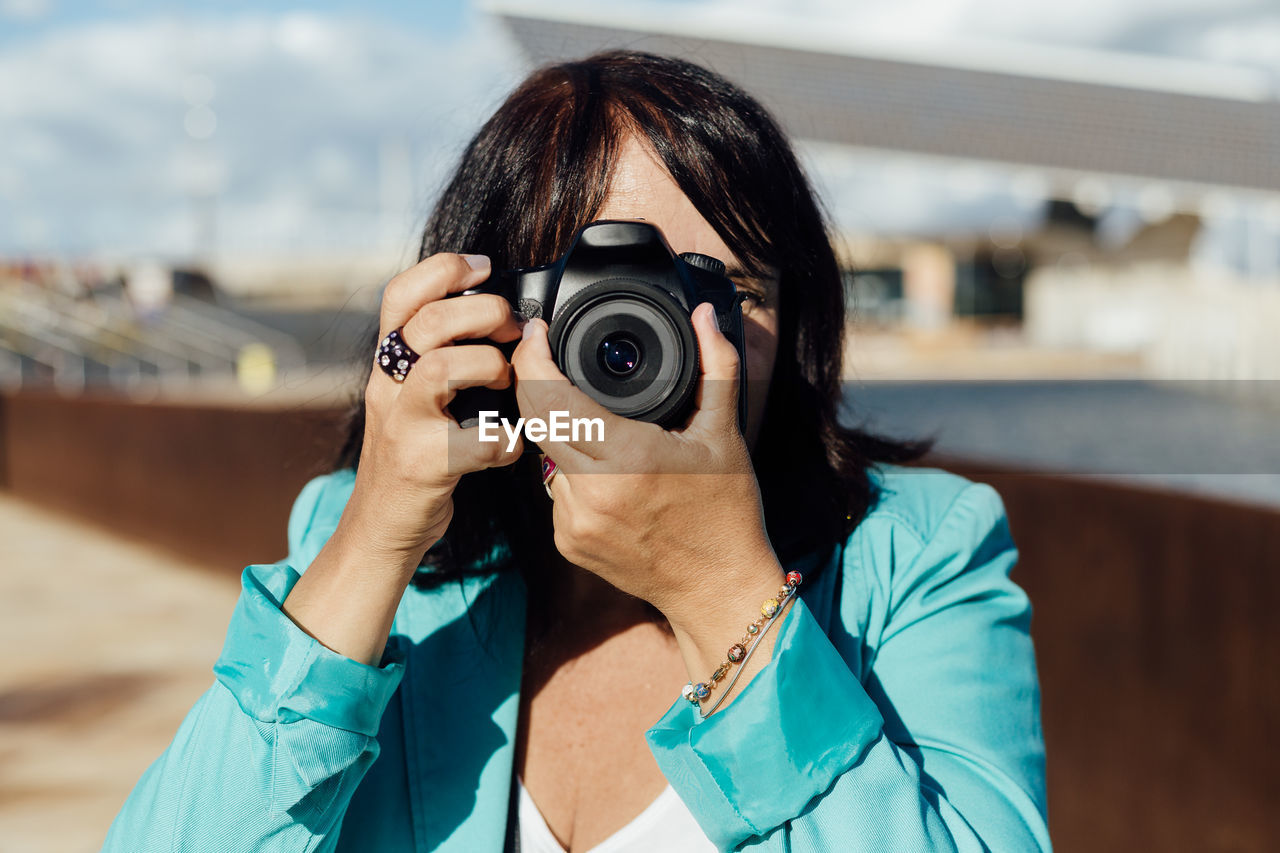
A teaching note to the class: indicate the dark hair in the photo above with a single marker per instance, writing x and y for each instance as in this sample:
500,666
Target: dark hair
540,168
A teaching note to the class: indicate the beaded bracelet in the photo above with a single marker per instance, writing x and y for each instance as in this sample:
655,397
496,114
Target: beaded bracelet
739,652
750,651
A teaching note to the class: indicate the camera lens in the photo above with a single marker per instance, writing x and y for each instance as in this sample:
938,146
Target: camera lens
630,346
620,355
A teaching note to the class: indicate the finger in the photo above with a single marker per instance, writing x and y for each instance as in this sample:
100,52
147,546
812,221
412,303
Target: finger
542,389
579,428
717,394
551,439
437,376
589,432
551,475
559,489
468,451
427,281
470,317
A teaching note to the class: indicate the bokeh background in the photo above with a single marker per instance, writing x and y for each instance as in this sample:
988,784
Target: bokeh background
1060,225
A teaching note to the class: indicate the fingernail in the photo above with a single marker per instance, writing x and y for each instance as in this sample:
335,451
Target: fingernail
477,262
526,330
715,321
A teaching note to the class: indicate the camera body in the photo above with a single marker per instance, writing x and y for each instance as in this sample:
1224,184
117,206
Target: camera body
618,305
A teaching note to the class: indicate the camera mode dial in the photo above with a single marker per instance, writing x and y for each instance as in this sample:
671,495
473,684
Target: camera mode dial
703,262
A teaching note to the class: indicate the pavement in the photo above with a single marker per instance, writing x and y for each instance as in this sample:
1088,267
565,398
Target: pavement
105,644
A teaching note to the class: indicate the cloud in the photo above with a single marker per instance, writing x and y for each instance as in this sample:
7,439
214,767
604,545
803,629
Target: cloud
113,135
329,131
25,10
1248,41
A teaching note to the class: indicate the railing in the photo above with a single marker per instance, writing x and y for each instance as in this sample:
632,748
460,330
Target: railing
50,338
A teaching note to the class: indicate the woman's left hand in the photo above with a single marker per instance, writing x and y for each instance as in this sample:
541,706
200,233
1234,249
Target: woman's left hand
671,516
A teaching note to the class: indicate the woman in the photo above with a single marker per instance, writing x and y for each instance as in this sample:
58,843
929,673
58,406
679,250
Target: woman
527,689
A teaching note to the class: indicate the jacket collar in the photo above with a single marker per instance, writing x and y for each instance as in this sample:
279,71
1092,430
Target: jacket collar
461,700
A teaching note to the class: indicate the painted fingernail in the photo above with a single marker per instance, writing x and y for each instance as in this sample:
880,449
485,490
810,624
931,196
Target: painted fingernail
477,262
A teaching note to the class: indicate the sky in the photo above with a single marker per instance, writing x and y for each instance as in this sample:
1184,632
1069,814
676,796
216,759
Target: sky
136,127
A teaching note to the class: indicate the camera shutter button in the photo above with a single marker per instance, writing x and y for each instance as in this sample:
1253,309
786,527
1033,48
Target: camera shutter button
703,262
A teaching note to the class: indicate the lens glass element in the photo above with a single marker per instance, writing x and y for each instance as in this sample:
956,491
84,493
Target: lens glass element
619,355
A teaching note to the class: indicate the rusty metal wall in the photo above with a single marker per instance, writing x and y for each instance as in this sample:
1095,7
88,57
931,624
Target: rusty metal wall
1155,613
213,483
1156,632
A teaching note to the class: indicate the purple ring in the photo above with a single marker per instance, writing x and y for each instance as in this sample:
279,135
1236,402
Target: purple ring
394,356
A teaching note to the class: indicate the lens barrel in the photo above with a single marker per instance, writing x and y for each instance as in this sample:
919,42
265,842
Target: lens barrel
631,347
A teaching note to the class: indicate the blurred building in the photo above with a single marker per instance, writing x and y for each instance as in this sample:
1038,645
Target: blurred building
151,328
1146,189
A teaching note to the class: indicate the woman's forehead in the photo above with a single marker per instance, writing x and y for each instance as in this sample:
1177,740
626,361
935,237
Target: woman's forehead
642,188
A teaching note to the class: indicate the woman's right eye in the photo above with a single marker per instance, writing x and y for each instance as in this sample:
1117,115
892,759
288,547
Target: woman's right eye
749,299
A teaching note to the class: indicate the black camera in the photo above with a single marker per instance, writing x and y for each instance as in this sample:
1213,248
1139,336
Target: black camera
618,306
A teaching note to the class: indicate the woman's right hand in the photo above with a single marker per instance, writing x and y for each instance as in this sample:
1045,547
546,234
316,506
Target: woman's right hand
414,452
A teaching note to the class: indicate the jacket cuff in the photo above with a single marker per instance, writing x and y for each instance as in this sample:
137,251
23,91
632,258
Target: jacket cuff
280,674
803,720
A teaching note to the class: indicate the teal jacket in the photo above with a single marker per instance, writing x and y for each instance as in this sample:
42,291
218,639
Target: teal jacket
900,710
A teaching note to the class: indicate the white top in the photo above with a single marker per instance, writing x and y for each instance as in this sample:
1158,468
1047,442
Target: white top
666,825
